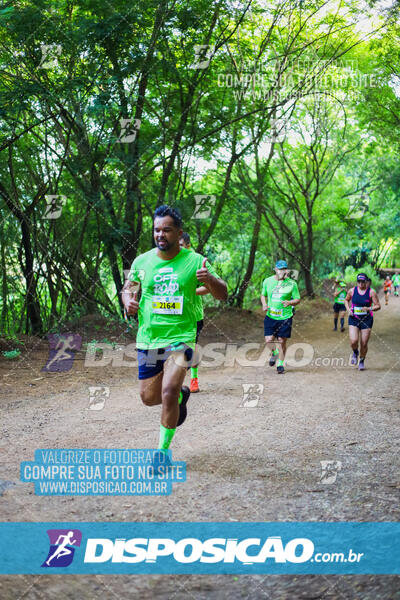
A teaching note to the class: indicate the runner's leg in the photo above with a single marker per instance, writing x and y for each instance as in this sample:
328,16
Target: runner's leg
354,335
335,320
365,334
194,369
171,393
282,348
150,389
172,396
174,374
341,314
270,341
282,352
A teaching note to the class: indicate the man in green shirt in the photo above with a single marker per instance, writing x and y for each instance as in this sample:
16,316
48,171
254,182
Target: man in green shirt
168,276
279,294
339,308
396,283
184,242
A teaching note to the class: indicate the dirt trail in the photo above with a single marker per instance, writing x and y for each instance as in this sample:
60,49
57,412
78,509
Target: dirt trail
258,463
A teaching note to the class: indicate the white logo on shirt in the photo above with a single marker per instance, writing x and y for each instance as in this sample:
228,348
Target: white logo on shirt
165,284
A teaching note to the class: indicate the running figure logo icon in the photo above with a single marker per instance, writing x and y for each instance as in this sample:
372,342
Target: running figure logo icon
54,206
129,130
61,551
251,394
97,397
203,56
330,470
50,54
204,203
62,351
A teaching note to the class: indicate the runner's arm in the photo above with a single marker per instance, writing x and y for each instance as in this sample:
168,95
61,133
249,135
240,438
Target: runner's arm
264,302
293,302
202,291
295,297
376,304
349,296
337,290
129,297
216,286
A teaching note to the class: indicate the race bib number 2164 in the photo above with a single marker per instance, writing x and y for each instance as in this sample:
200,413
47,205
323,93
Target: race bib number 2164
167,305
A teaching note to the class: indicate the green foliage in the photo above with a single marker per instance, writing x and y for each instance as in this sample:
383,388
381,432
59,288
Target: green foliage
11,354
350,275
203,131
93,347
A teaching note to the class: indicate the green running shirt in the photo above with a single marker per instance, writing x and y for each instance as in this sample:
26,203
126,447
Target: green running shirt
341,295
276,292
199,310
167,307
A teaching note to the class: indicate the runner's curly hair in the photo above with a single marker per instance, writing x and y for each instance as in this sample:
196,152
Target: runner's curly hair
185,237
168,211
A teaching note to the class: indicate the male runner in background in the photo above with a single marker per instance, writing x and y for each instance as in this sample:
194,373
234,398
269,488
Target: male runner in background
396,283
184,242
279,294
387,286
168,277
360,303
339,308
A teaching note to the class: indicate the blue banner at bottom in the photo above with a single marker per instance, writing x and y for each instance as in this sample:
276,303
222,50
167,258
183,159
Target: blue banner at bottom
200,548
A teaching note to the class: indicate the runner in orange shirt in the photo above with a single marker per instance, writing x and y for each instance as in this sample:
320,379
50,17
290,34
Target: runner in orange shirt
387,288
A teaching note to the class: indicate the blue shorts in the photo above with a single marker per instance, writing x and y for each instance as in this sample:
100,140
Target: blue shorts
278,327
362,322
151,362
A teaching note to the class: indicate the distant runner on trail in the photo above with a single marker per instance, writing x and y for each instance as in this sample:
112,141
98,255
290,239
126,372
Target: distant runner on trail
168,276
339,308
279,294
184,242
387,288
360,303
396,283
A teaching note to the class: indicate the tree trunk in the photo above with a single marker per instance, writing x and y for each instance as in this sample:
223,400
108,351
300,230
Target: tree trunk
308,282
4,287
308,262
32,304
250,264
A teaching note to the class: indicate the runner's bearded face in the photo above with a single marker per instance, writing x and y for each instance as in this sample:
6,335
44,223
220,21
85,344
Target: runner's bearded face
166,234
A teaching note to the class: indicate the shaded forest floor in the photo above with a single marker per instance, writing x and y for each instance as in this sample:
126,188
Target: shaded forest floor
244,463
